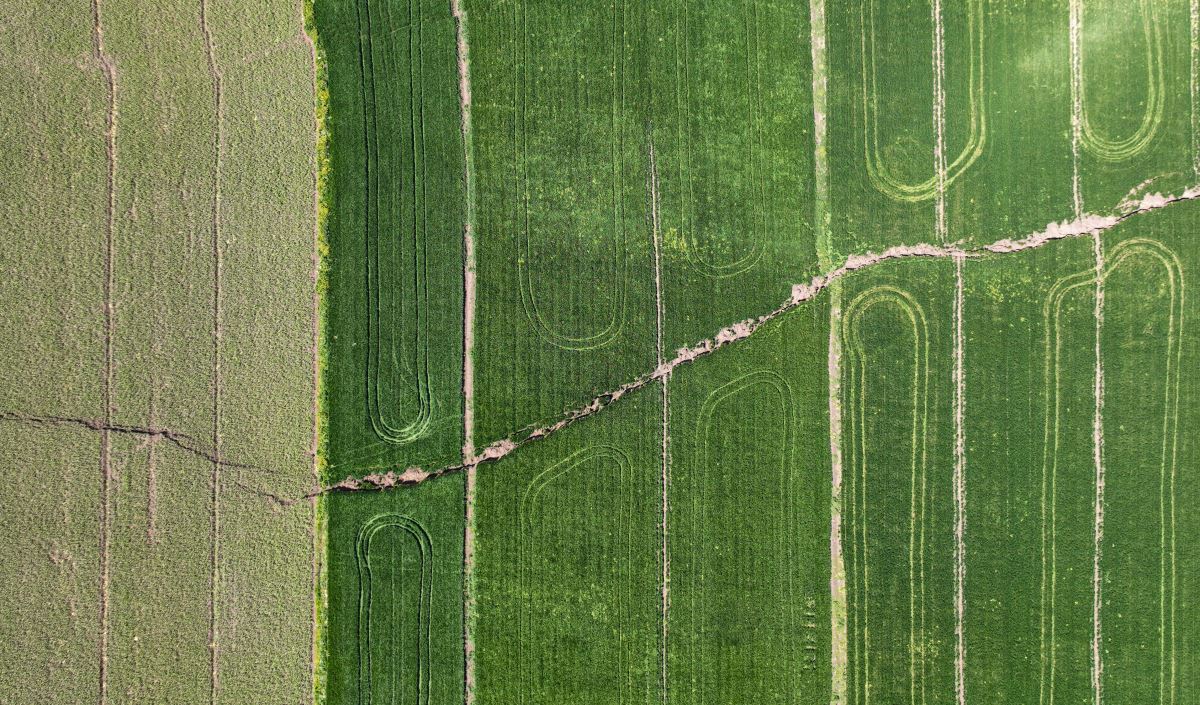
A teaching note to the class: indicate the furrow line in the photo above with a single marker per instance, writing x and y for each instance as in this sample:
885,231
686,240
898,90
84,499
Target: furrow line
939,121
1194,76
108,69
960,496
315,651
214,71
1098,460
660,315
839,639
1076,20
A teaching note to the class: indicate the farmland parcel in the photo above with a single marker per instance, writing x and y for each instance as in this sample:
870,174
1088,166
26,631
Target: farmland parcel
737,351
928,479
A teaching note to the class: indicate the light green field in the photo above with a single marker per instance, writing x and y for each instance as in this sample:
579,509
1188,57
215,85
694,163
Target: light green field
160,190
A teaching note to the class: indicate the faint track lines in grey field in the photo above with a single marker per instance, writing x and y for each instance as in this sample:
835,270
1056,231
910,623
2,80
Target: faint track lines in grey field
108,69
315,528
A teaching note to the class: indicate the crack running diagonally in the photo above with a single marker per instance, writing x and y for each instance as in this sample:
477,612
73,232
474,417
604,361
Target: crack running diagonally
1085,226
180,440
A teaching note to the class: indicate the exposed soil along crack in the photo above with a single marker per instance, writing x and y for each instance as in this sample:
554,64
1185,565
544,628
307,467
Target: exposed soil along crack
385,478
151,446
1086,226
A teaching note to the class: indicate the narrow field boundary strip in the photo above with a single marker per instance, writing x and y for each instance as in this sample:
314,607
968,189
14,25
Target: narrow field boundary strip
463,58
104,61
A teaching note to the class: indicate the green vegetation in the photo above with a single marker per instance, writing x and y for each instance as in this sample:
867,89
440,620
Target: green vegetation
748,520
567,567
951,473
897,437
395,595
729,102
564,255
393,379
1030,402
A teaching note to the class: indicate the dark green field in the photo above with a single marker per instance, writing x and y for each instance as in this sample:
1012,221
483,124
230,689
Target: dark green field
955,525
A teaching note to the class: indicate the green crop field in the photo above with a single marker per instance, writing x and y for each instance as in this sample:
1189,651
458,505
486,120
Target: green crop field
515,352
393,386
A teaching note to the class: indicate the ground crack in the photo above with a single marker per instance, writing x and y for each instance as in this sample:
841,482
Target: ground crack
1087,225
176,438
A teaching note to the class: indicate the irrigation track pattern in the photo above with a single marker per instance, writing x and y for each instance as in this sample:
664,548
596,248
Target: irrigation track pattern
1084,225
1091,226
214,71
